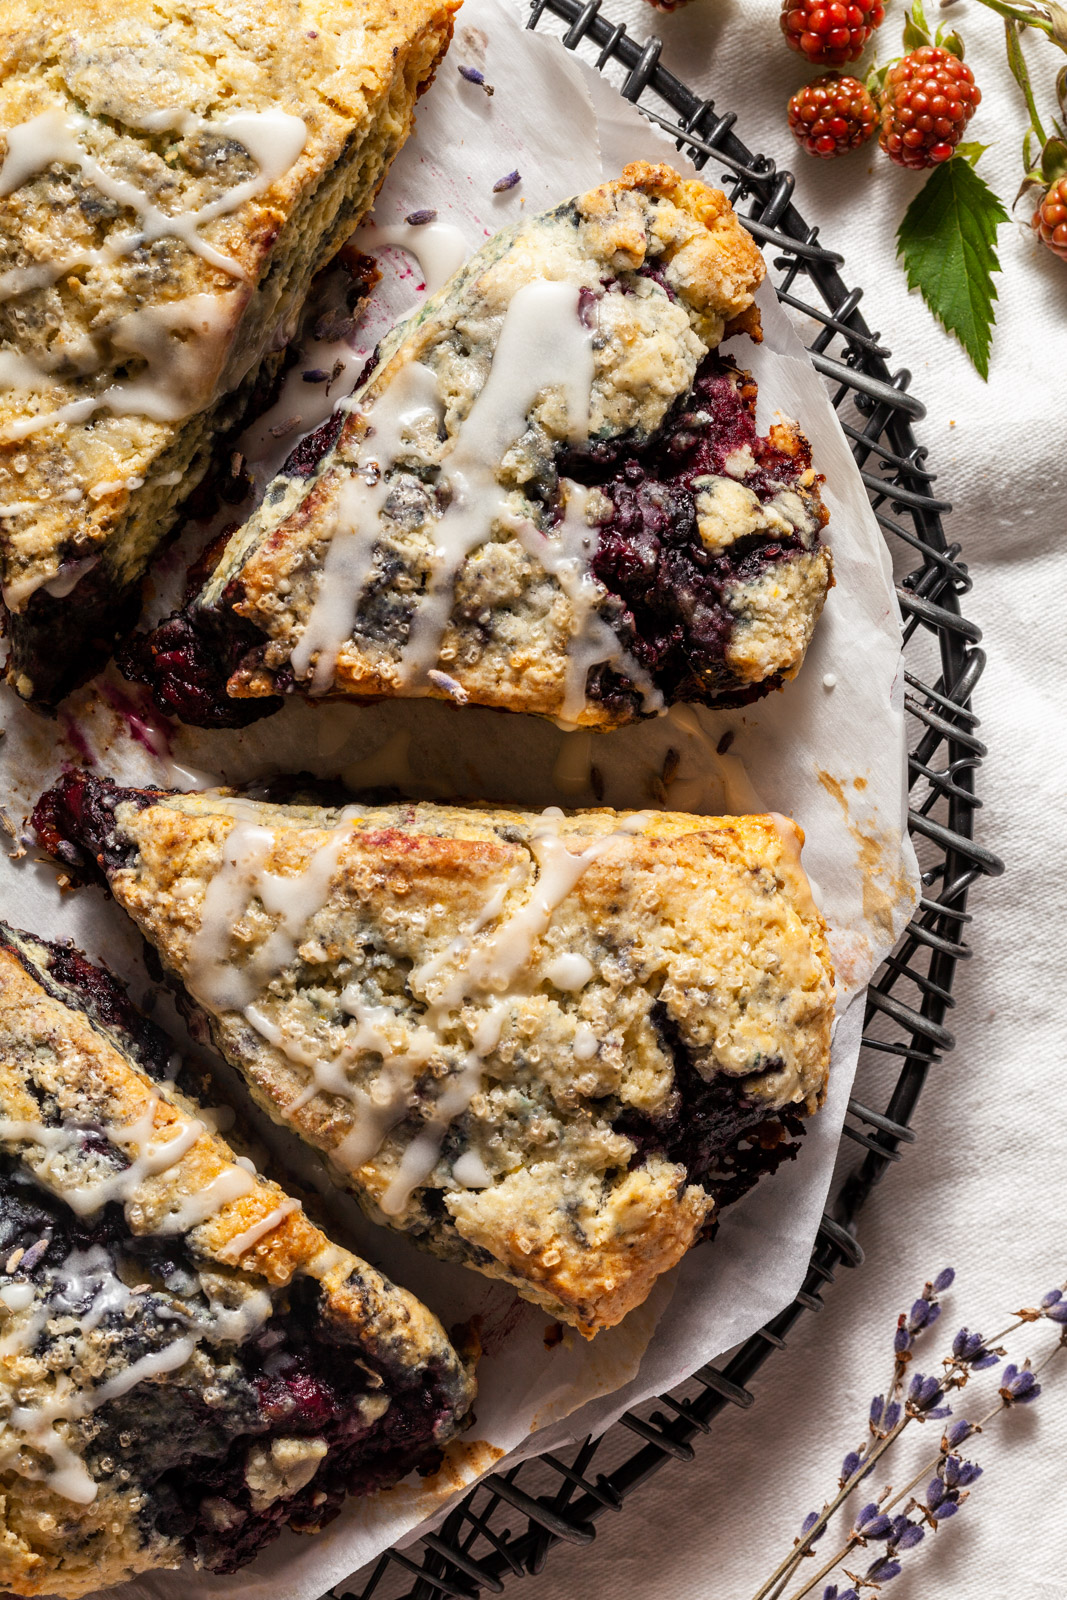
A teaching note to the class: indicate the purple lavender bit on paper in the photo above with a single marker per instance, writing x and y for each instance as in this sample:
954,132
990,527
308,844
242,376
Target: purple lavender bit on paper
508,182
473,75
419,219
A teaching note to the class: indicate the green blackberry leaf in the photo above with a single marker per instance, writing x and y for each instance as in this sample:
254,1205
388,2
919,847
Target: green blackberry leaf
948,244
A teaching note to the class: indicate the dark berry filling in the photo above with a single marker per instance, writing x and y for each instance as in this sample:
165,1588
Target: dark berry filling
75,821
59,643
725,1139
186,1441
187,662
673,615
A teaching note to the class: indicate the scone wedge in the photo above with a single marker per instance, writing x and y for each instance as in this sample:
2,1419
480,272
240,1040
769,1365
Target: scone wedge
539,1044
187,1363
171,176
549,496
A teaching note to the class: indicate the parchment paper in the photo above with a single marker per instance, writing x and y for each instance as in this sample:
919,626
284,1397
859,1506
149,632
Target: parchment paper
829,750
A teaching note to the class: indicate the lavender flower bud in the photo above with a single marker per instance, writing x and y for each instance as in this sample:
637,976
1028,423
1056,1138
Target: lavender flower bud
944,1280
507,182
949,1471
809,1522
956,1434
922,1393
919,1315
935,1493
471,74
851,1464
901,1341
1058,1312
1052,1297
1019,1386
877,1407
882,1570
892,1416
946,1509
969,1471
970,1348
419,219
873,1524
909,1536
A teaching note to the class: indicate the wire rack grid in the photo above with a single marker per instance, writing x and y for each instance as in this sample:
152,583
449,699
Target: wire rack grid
508,1524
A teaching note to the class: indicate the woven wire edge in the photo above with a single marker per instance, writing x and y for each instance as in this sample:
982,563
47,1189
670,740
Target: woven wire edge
911,994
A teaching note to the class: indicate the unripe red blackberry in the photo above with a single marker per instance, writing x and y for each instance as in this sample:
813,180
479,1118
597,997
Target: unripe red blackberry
832,114
1049,221
830,32
927,101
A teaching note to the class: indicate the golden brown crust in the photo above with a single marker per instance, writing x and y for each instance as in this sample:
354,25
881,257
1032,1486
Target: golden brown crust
686,960
54,1056
107,486
430,553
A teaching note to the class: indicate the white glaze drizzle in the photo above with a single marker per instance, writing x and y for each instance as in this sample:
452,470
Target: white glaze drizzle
181,373
543,344
148,1158
486,971
439,247
411,398
91,1274
235,1248
570,971
242,876
566,552
274,140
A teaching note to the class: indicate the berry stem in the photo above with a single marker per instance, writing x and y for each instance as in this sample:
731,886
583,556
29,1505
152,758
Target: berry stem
1021,73
1035,18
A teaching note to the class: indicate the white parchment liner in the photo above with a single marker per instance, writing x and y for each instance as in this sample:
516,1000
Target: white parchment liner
829,750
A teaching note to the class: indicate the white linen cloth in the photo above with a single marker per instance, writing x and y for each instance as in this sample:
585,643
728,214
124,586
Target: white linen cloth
983,1187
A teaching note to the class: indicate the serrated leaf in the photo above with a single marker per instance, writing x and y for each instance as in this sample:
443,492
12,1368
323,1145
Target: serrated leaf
971,151
947,241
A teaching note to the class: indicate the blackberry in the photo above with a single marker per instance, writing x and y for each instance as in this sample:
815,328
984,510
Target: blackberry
1049,221
832,114
927,101
830,32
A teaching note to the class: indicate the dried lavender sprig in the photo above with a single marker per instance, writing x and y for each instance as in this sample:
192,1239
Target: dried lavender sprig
885,1428
945,1492
861,1465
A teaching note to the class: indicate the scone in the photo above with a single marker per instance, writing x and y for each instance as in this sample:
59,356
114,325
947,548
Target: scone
171,175
549,496
187,1364
536,1043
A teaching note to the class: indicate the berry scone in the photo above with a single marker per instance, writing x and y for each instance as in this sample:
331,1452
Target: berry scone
187,1364
548,496
171,175
541,1045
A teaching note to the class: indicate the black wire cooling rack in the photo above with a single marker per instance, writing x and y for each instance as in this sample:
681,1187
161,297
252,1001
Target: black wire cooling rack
510,1521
